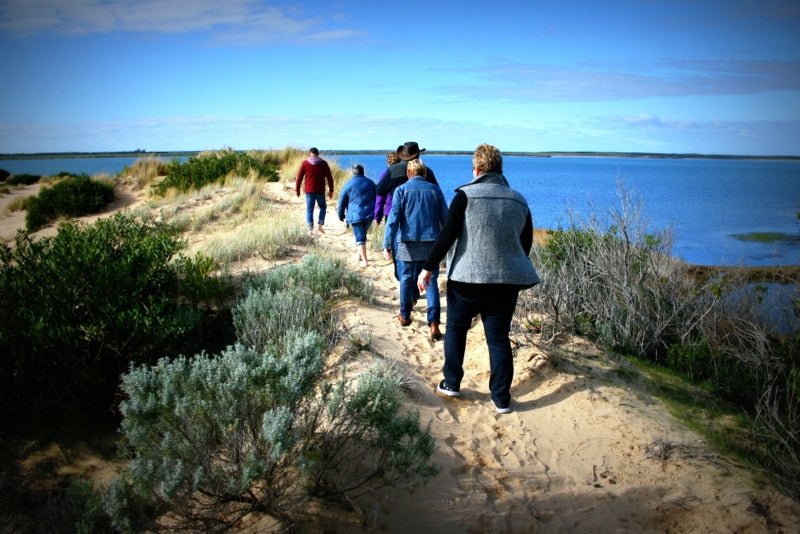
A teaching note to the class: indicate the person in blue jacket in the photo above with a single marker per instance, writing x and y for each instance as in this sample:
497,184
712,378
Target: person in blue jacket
418,213
356,204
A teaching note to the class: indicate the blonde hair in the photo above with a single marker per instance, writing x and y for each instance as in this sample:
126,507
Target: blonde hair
487,158
392,158
416,167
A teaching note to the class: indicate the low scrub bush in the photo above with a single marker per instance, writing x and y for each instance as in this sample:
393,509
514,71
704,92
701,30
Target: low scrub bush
617,284
71,197
78,308
265,425
210,168
23,179
4,174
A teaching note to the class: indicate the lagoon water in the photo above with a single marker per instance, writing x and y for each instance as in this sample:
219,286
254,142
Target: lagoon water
705,202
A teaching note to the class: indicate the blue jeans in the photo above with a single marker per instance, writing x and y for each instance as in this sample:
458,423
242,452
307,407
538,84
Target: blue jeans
495,303
408,271
360,231
319,198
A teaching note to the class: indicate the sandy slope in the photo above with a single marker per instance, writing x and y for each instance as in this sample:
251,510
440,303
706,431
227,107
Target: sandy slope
577,454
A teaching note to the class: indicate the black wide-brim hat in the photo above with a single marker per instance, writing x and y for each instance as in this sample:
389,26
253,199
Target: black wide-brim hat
410,150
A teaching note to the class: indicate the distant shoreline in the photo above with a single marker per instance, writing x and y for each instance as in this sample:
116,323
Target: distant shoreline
189,153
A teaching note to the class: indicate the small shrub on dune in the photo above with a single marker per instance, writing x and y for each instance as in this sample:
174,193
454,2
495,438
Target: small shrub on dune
23,179
4,174
78,308
71,197
208,168
265,425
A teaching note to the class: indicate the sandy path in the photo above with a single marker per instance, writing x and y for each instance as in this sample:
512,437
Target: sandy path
576,454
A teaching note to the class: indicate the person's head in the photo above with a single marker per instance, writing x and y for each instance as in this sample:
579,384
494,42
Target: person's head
415,168
409,151
313,151
392,158
487,158
358,170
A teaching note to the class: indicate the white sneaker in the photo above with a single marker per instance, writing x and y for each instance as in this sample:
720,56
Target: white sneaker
502,409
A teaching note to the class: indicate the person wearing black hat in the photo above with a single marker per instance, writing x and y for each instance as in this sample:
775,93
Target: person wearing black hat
397,172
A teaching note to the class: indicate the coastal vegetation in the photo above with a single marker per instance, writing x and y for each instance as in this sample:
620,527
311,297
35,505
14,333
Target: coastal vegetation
100,318
609,279
70,196
223,385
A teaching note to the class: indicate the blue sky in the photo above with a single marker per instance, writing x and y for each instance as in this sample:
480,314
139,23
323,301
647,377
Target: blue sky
719,77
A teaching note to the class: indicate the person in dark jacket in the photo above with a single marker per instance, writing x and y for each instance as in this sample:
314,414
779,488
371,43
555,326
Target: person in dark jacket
418,213
356,203
487,238
397,173
316,173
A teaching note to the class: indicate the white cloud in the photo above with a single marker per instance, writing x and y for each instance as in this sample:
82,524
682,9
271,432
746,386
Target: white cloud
602,82
231,22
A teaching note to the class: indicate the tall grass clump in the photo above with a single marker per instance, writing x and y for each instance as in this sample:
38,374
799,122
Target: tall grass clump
78,308
72,197
213,167
144,172
615,282
266,425
269,238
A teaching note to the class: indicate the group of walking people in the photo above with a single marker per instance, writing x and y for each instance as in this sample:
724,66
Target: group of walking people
485,234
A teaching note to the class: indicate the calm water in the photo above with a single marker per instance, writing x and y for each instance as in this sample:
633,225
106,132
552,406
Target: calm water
703,201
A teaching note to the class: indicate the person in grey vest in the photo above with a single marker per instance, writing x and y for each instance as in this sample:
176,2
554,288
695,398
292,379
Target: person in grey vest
487,238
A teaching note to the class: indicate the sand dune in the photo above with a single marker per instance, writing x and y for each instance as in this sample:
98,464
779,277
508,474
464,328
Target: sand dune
586,448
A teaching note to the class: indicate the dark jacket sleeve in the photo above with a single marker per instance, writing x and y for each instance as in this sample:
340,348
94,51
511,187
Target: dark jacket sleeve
450,232
328,176
387,184
526,237
430,176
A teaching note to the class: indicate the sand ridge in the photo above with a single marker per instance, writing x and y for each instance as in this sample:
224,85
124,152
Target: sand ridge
584,449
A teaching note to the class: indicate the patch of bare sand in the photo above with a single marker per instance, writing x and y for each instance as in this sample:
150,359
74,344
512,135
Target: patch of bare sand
575,455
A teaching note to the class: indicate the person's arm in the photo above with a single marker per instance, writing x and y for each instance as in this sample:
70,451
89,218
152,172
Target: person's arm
301,172
450,231
329,178
391,224
344,198
526,236
430,176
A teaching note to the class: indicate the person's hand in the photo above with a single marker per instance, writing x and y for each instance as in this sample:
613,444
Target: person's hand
387,253
330,195
377,222
423,279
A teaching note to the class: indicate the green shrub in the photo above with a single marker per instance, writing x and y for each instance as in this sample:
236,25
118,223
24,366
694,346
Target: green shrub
23,179
4,174
206,169
72,197
78,308
327,277
214,438
264,425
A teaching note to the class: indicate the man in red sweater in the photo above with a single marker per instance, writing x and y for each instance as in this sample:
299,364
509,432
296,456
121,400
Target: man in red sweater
316,173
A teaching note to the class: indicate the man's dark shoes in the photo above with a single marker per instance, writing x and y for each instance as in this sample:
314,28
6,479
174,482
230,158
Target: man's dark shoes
436,334
443,389
403,321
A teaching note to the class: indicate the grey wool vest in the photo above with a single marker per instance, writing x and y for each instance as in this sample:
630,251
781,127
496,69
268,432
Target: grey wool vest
489,251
